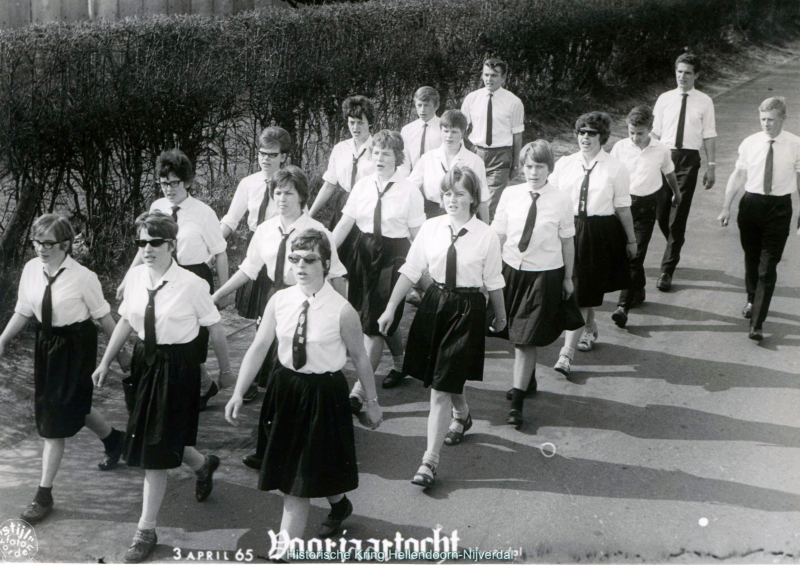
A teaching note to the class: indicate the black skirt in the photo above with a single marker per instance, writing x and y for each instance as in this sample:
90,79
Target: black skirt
535,311
311,448
446,342
252,297
203,271
601,261
62,374
165,408
378,270
347,250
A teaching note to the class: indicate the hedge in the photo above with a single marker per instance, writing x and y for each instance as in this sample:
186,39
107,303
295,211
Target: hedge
87,107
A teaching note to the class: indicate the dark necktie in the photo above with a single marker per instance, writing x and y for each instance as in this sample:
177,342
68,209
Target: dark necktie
262,209
47,303
585,192
768,169
354,172
175,213
530,222
377,233
681,123
150,325
489,122
422,142
299,341
452,258
280,261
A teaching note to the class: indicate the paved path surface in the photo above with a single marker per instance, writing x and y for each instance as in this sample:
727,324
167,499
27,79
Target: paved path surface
678,421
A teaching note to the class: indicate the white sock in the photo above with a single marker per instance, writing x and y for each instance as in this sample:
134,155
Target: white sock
397,362
431,457
145,525
359,392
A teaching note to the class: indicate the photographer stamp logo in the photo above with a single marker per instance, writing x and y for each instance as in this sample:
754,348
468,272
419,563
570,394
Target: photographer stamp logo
18,541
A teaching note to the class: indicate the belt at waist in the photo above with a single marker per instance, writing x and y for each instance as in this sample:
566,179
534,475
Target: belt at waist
770,196
652,196
68,329
686,150
460,290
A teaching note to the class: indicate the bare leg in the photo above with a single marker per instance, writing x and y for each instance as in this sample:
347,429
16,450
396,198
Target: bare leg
395,343
295,515
524,365
98,424
193,458
51,460
438,420
573,337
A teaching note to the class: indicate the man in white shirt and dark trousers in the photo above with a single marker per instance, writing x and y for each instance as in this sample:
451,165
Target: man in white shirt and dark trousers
769,170
498,120
684,121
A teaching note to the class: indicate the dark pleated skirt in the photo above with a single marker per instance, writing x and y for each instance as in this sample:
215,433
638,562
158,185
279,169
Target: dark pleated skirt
433,209
203,271
62,374
347,250
535,311
252,297
379,271
311,448
601,263
446,341
165,411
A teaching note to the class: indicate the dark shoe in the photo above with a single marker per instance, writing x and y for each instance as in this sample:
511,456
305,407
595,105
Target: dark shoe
638,299
530,391
144,542
620,317
453,437
35,512
331,525
756,334
393,379
205,478
514,418
747,311
250,394
664,282
423,479
356,405
212,391
252,460
112,457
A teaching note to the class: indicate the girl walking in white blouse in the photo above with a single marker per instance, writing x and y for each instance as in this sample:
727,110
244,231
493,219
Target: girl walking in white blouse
64,297
446,340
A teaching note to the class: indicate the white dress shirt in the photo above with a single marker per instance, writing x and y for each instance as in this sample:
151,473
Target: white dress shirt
412,139
644,165
263,248
340,164
785,162
325,348
403,206
698,125
554,221
432,167
478,262
199,233
508,116
182,306
609,183
77,294
248,197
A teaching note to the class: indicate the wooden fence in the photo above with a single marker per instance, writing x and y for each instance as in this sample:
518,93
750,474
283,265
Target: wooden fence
18,13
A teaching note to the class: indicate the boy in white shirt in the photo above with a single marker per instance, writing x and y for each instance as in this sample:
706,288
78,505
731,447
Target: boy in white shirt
422,134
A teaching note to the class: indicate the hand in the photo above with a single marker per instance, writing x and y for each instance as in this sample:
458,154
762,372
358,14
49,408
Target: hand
120,289
724,218
385,321
676,199
374,414
498,324
631,249
232,409
99,375
124,360
709,178
568,287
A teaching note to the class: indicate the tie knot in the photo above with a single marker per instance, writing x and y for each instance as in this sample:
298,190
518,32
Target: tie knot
685,94
175,209
535,195
771,141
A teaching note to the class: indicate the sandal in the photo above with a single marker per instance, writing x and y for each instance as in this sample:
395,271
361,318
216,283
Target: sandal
422,478
454,437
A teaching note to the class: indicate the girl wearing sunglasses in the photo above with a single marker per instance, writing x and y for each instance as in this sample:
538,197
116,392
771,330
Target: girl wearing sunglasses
310,450
64,297
166,306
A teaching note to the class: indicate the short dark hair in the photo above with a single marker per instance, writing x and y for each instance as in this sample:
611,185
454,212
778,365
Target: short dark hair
275,135
427,94
467,179
640,116
689,59
599,121
538,151
357,107
61,226
174,161
388,139
311,239
454,119
291,175
157,224
496,64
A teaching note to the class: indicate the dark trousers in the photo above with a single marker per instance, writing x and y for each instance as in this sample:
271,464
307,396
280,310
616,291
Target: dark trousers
672,221
764,225
498,165
643,210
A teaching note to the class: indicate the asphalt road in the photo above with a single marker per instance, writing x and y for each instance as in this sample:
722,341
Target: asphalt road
680,442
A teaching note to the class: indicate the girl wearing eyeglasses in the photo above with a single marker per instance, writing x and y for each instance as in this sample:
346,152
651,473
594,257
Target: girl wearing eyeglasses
166,306
599,186
64,297
311,447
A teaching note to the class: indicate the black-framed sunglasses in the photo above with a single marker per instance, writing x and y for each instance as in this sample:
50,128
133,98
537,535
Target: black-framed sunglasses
294,259
165,184
45,244
589,132
155,242
268,154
